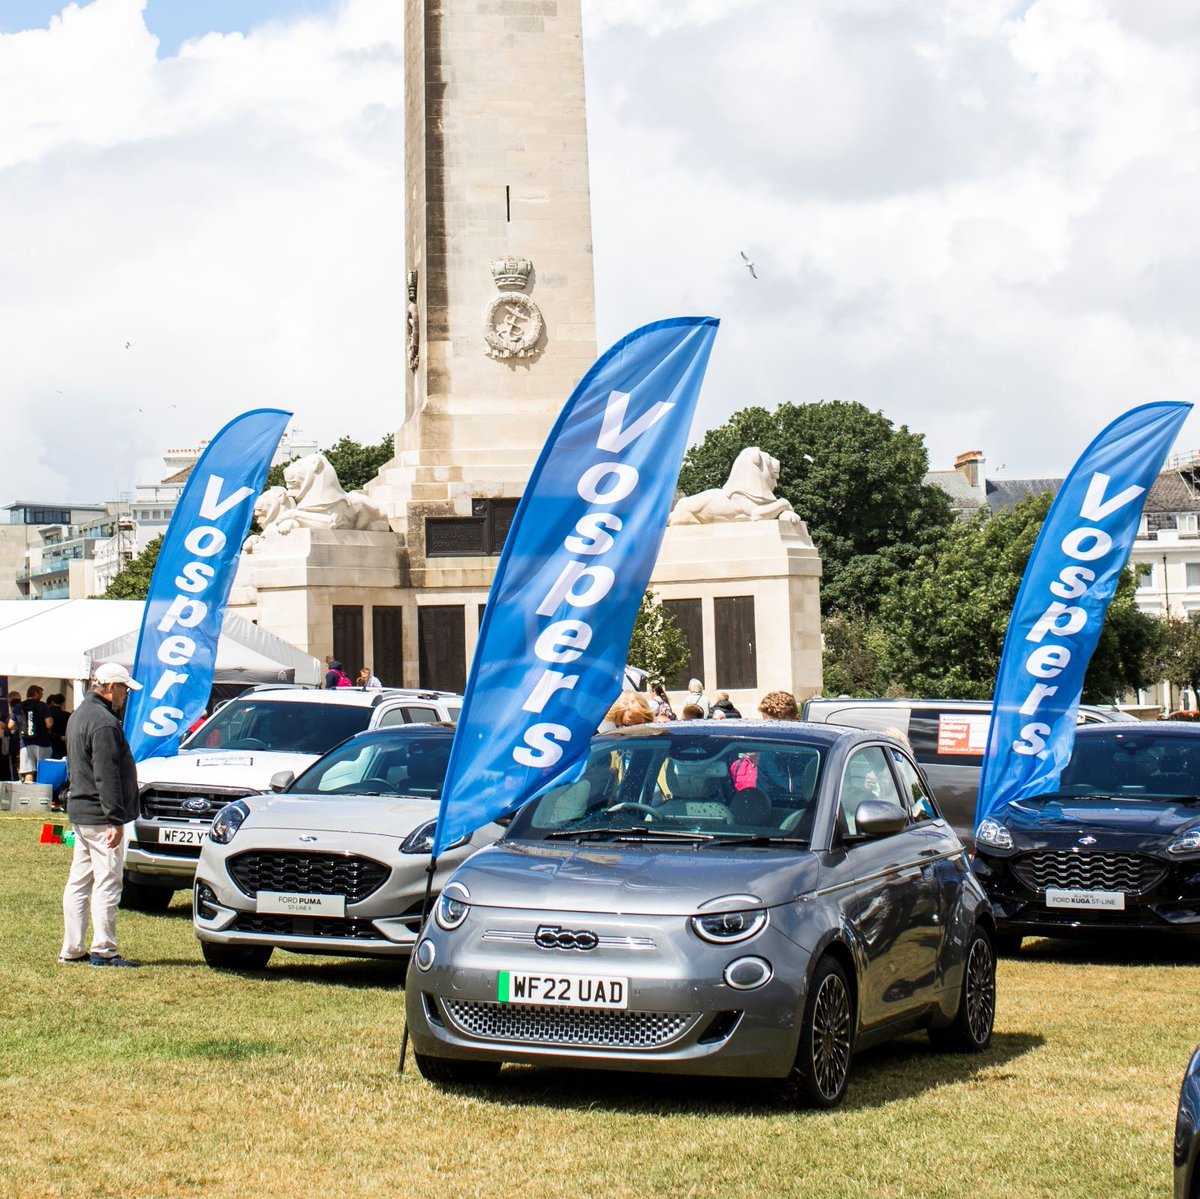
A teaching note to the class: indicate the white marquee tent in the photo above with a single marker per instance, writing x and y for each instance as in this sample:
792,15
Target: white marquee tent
62,639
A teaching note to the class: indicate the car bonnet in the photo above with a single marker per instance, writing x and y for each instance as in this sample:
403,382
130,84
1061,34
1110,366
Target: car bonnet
633,879
381,815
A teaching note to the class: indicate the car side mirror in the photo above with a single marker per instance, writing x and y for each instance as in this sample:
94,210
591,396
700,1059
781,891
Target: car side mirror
875,818
282,780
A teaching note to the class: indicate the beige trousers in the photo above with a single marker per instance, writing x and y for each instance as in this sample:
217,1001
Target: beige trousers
94,883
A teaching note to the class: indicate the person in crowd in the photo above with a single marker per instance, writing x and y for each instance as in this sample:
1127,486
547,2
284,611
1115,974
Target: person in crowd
103,799
660,703
629,709
59,717
723,707
16,718
367,681
696,696
332,670
693,712
6,774
35,733
778,705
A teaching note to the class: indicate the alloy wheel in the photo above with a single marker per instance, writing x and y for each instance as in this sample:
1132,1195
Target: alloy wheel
981,990
831,1036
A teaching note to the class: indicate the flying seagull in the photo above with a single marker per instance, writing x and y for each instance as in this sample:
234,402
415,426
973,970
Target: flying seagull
749,264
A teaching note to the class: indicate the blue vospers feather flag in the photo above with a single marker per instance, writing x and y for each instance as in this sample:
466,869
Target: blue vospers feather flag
1059,612
585,538
177,646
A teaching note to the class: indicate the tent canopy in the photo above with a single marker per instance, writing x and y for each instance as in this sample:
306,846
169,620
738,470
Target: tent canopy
61,639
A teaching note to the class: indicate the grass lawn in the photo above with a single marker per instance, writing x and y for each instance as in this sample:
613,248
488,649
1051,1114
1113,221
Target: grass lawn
176,1080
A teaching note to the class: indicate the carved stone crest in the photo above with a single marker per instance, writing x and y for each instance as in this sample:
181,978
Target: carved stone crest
414,324
512,323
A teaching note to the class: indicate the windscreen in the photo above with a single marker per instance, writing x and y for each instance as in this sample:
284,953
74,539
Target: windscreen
725,787
279,726
380,764
1127,765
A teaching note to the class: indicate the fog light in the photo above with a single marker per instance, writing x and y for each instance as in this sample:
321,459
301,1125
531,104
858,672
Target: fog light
747,973
425,954
206,901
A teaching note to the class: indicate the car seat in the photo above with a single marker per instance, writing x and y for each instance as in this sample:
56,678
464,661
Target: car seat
750,806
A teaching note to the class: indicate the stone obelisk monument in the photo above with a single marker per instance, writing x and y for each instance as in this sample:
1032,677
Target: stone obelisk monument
501,321
500,329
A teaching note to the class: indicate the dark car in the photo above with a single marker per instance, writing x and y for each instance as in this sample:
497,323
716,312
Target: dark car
1187,1134
948,738
1115,847
742,899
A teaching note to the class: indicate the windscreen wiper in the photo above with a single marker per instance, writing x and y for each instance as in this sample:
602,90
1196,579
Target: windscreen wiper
629,834
758,839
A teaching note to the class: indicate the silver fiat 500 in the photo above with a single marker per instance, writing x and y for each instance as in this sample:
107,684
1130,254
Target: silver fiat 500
729,898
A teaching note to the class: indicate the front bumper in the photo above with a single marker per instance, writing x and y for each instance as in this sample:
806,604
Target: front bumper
1171,905
682,1018
384,924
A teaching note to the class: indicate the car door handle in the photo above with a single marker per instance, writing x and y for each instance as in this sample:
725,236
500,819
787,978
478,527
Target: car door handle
909,872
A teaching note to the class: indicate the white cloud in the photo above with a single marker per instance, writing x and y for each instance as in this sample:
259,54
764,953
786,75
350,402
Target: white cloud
235,212
981,224
977,215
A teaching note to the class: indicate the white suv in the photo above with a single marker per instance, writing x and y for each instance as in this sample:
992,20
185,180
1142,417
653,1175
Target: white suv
237,752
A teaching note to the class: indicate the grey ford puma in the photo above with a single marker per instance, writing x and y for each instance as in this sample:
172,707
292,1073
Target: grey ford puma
733,898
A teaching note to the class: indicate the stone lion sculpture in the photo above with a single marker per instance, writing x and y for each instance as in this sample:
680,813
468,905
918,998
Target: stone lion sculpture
268,508
748,495
318,501
312,499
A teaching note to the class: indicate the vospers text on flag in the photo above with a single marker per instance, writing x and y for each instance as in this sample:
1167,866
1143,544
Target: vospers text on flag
1060,607
177,645
585,538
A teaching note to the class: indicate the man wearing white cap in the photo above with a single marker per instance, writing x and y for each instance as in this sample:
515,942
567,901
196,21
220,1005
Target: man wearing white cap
103,799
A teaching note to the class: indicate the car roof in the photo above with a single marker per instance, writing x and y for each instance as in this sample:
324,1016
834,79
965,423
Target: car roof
774,730
1172,728
423,729
353,697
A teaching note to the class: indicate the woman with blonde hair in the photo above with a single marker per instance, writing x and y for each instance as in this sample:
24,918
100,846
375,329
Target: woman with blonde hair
629,709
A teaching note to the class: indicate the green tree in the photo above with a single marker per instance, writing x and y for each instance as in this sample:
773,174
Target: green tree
133,583
1177,656
853,663
356,464
657,645
855,479
945,620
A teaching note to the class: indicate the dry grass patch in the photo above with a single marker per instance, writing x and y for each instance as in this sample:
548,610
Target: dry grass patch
179,1081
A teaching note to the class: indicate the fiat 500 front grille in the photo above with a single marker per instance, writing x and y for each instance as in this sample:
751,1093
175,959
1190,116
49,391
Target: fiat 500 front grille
1126,872
591,1027
307,874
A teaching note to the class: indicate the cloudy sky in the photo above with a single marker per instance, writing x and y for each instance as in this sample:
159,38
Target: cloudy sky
978,217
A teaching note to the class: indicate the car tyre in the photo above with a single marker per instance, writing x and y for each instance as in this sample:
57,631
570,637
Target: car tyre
143,897
236,957
971,1029
822,1067
453,1071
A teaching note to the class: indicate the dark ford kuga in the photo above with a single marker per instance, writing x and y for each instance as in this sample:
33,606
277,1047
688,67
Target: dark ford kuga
1116,845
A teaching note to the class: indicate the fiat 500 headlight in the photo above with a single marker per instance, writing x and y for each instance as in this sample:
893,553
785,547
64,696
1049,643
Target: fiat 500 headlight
993,834
453,907
728,928
1186,843
227,822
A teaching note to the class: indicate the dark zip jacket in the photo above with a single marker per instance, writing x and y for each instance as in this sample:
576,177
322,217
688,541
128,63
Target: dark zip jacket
104,787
